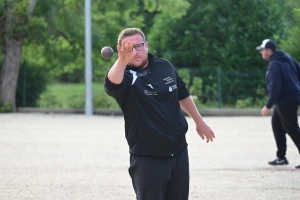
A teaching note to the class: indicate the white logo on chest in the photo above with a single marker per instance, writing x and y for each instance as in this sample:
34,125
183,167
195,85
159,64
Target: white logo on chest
150,85
172,88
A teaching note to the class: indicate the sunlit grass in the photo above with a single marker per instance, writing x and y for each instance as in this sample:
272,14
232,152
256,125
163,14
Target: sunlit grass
63,95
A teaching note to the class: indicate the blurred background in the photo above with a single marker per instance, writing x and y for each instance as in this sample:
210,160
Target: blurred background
211,43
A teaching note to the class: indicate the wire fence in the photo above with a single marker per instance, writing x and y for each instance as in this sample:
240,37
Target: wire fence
210,87
215,87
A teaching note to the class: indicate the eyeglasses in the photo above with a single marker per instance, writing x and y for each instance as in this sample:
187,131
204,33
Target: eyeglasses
139,46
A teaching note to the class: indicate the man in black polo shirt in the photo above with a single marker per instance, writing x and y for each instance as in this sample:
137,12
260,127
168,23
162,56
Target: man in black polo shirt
151,94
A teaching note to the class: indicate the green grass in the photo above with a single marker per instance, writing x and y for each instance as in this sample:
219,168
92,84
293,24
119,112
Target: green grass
62,95
63,91
72,95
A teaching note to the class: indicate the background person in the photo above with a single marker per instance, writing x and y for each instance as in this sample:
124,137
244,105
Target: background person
151,94
283,76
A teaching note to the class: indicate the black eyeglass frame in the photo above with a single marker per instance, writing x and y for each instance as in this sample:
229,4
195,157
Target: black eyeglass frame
139,46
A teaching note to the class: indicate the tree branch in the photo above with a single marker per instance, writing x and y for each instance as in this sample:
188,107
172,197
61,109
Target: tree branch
31,6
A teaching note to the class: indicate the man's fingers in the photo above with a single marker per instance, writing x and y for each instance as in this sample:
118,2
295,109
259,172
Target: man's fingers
210,136
127,46
202,136
213,134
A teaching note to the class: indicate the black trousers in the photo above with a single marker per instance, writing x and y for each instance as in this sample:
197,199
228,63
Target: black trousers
160,178
285,120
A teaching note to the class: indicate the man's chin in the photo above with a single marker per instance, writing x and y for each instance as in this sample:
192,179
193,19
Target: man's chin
136,66
139,64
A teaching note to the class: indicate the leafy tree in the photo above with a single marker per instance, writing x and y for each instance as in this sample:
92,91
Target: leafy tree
292,44
58,32
289,6
14,25
52,37
220,33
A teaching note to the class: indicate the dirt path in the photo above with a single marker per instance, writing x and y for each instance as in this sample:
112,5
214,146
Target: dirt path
56,156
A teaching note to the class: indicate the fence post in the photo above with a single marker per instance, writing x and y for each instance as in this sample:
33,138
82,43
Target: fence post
219,87
24,84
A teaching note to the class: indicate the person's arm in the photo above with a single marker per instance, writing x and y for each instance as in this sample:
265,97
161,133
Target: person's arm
297,68
265,111
125,55
202,128
274,87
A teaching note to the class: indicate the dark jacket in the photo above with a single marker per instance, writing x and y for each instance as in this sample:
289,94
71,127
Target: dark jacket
283,78
149,99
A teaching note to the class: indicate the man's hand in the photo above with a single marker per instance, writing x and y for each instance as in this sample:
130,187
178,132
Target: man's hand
125,53
205,132
264,111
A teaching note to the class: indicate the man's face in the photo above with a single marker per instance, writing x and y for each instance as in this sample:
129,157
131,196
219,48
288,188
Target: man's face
140,50
266,53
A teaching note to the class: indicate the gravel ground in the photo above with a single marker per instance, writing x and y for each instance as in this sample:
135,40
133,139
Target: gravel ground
69,156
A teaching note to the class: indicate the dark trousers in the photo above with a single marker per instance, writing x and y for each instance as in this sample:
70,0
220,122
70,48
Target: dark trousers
160,178
285,120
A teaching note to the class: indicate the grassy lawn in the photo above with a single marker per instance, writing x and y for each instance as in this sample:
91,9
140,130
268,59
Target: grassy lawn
72,95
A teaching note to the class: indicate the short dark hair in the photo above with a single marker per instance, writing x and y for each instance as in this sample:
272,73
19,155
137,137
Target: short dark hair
130,32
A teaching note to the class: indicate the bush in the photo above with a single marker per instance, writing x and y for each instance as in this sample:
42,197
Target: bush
5,108
48,101
32,82
76,101
105,101
253,102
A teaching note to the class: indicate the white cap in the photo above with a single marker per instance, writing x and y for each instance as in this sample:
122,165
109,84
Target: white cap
267,44
263,44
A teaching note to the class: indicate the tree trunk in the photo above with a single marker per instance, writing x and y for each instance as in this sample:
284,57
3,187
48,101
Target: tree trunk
10,71
13,52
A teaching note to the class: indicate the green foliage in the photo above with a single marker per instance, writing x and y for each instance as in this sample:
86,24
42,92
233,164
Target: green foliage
292,44
185,76
99,101
104,101
211,91
196,91
169,7
35,80
220,33
289,7
245,103
200,35
250,102
5,108
17,18
72,96
261,96
76,101
2,21
48,101
196,88
57,33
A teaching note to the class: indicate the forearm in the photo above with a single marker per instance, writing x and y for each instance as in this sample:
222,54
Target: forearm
202,128
125,55
190,108
116,73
